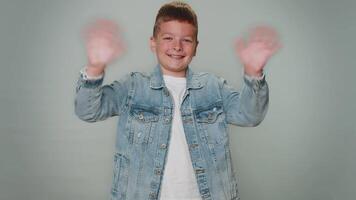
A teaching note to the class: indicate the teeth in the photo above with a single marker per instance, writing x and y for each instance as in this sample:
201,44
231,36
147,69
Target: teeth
176,56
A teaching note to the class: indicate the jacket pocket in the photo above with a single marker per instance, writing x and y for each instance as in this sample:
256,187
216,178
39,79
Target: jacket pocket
211,121
142,123
120,179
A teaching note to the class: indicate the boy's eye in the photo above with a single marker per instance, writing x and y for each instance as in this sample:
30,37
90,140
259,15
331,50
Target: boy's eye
188,40
167,38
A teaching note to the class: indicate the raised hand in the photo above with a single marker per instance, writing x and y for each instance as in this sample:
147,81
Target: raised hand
254,52
103,44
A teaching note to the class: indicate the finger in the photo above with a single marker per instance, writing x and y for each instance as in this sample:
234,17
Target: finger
272,51
240,45
263,33
118,50
276,47
104,25
104,41
101,28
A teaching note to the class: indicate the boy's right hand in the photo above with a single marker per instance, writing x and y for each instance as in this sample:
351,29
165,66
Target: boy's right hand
103,45
263,42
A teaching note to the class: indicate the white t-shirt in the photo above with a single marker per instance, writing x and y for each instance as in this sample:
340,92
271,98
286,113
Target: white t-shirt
179,182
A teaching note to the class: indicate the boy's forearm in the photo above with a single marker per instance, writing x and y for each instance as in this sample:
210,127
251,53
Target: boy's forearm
87,99
254,100
94,102
248,107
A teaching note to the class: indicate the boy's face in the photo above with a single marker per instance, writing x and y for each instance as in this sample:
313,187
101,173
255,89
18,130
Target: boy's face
175,45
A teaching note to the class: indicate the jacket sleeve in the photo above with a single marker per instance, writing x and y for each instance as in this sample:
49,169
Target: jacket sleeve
249,107
94,102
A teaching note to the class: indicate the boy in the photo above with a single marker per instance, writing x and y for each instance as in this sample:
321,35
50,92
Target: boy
172,140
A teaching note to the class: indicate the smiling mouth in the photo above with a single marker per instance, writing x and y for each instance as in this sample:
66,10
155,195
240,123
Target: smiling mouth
178,57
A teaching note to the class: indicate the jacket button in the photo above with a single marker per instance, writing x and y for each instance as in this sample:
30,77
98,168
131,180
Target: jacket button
163,146
157,171
140,116
199,171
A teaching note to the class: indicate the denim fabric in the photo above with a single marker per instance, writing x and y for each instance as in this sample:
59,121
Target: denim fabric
145,109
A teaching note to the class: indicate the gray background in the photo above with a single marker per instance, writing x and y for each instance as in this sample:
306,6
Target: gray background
304,149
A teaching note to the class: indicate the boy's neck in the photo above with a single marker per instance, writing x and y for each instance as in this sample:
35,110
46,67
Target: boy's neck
172,73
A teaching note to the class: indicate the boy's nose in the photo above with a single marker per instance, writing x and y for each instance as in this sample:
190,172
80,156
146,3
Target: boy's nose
177,46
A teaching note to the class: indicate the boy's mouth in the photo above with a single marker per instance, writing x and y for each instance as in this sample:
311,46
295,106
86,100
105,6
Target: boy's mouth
174,56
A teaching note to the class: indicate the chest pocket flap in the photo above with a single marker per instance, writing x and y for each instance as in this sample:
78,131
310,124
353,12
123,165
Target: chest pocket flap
142,123
210,114
144,114
212,124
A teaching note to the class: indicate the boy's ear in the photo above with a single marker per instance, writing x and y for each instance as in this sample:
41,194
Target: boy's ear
196,47
153,44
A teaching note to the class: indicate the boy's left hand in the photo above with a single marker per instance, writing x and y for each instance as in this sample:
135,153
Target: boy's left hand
262,43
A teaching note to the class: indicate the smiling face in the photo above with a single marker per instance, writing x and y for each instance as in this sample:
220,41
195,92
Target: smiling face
175,46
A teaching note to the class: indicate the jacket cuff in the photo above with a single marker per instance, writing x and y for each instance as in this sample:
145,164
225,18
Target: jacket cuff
255,82
89,82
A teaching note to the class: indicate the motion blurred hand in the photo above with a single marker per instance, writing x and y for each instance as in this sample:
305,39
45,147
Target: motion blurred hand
254,52
103,45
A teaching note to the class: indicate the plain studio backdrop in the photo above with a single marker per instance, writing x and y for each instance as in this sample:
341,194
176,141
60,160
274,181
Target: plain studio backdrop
304,149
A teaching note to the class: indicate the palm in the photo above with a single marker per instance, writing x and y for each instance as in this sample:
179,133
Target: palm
261,45
103,42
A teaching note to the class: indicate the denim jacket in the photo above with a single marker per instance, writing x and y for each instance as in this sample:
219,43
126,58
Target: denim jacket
145,109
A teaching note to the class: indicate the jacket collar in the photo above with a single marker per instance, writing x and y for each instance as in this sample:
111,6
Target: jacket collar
157,81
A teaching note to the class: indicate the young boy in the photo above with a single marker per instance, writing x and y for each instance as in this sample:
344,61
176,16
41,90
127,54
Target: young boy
172,137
